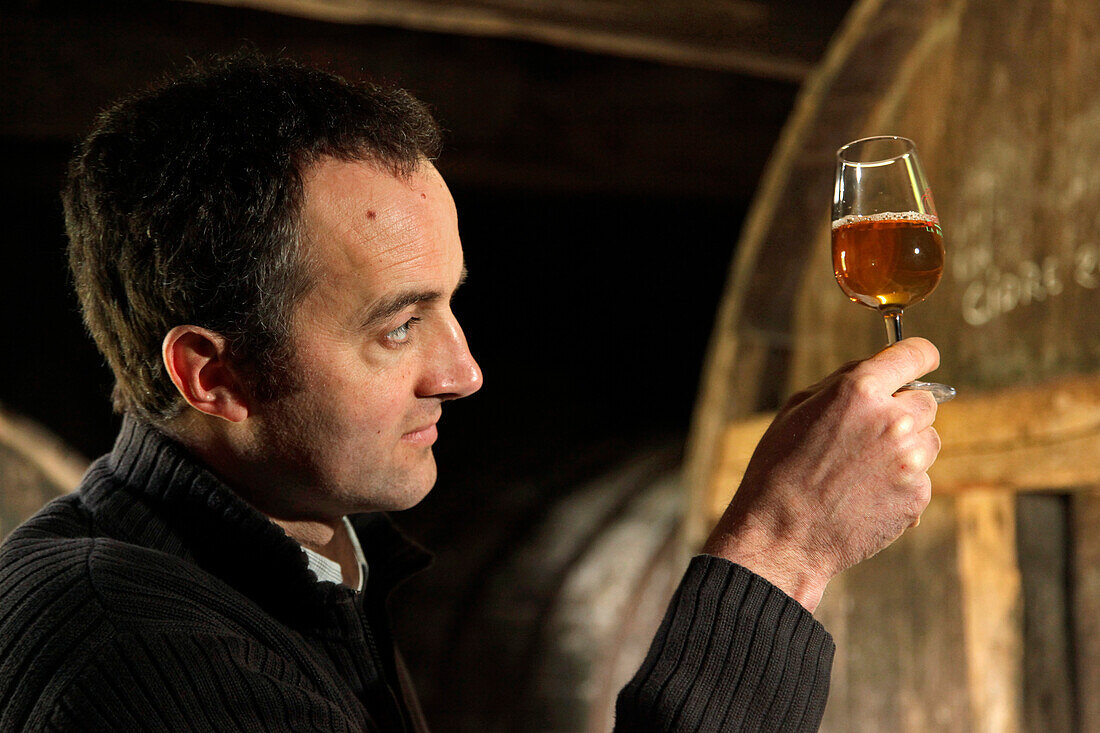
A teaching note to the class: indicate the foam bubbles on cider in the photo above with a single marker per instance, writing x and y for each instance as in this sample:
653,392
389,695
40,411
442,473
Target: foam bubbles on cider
914,216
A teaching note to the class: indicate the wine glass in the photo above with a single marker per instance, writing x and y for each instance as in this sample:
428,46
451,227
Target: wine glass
887,242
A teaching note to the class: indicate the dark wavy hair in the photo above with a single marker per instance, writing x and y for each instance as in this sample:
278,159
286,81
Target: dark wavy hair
183,205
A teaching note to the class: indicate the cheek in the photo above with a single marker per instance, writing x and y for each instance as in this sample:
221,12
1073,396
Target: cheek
360,401
364,412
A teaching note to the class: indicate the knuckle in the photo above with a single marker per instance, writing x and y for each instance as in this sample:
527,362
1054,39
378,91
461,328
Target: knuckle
860,385
901,425
915,454
912,463
914,494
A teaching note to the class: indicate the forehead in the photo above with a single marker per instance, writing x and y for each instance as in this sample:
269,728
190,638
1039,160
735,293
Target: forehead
360,221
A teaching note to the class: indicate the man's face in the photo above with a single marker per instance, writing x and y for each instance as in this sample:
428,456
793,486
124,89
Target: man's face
376,348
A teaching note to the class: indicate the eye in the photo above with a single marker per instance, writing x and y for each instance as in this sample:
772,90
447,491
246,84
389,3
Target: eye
400,334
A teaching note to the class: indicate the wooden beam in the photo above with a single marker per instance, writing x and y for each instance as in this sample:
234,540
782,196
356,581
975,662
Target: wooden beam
1033,438
899,622
518,116
775,40
989,583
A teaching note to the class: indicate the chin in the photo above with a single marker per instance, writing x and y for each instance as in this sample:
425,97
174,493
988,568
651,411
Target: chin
413,489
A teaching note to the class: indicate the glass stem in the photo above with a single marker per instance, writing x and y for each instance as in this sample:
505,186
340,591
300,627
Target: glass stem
893,325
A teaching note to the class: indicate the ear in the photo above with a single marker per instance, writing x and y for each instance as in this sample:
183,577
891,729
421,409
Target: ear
197,363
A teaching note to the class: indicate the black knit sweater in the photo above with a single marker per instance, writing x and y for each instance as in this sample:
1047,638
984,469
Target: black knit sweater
155,599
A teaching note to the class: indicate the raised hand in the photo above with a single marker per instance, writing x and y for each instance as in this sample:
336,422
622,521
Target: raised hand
839,475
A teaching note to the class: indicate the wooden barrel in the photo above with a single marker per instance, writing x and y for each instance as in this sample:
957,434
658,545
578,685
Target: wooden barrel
985,617
35,466
534,618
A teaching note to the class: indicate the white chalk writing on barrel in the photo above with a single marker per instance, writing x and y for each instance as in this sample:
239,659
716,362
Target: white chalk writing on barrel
992,291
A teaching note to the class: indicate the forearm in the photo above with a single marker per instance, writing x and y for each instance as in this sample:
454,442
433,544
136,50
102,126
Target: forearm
733,652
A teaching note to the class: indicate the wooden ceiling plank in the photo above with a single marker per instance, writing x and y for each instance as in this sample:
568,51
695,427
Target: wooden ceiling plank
780,41
518,115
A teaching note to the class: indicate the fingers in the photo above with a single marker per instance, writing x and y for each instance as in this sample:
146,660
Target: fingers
935,444
923,487
901,363
917,445
918,454
921,503
909,429
919,405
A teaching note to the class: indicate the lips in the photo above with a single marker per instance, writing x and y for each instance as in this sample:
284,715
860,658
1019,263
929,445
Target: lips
424,435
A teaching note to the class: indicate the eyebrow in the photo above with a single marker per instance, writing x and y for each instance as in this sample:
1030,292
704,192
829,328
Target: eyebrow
390,307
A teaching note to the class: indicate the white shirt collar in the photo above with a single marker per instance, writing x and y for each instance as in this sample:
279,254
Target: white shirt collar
329,570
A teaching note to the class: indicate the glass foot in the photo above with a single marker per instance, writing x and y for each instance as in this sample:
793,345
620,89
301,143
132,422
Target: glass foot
941,392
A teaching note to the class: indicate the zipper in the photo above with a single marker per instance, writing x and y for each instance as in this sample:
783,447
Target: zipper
376,657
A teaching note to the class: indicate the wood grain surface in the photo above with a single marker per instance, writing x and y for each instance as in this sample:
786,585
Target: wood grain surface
983,617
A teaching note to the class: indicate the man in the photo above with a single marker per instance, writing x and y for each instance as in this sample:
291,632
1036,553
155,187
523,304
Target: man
266,255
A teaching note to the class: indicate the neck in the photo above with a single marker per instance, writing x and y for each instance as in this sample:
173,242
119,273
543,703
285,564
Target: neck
227,450
328,539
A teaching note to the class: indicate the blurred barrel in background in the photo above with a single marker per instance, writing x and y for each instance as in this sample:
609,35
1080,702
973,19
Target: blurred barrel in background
985,617
536,615
35,467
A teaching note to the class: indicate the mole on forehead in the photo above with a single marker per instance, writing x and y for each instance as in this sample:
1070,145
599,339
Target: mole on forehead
361,220
362,203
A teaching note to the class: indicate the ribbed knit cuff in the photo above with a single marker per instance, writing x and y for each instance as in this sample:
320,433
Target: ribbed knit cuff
733,653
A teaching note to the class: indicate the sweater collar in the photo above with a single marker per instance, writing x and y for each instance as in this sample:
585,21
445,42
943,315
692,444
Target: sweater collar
212,525
330,570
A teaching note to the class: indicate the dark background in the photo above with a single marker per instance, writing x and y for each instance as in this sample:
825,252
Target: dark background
588,314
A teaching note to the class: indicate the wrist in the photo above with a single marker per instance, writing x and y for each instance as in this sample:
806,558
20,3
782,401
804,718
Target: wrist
780,562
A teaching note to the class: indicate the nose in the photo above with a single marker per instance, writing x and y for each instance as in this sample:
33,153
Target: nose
454,373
